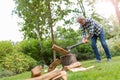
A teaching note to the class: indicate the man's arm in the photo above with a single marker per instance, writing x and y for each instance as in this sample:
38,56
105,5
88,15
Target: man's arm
84,40
91,29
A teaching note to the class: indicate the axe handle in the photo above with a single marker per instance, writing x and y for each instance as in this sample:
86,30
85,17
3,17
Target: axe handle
70,47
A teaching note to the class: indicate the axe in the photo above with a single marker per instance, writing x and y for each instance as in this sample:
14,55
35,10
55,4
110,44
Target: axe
72,46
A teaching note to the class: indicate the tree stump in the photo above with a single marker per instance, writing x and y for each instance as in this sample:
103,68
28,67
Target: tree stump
68,59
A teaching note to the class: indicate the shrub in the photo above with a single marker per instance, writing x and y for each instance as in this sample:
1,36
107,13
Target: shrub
115,46
5,47
29,47
84,52
18,62
6,73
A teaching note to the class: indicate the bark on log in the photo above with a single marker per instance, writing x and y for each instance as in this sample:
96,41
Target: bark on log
53,65
36,71
68,59
59,49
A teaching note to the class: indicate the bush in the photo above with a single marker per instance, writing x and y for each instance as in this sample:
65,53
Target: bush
6,73
5,47
84,52
47,52
30,47
18,62
115,46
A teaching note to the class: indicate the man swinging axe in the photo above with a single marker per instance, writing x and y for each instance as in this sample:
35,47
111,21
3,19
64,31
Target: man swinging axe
94,31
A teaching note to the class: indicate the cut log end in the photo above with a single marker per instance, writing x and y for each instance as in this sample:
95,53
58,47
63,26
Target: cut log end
68,59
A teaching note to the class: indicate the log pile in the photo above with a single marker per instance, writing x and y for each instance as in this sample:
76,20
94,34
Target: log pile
53,75
68,61
75,67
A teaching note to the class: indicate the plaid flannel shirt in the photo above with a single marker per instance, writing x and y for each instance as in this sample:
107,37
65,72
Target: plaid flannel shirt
92,27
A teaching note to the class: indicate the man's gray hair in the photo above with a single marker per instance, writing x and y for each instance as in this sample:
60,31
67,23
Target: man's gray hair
80,17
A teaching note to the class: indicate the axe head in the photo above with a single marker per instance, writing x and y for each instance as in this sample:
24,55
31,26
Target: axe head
70,47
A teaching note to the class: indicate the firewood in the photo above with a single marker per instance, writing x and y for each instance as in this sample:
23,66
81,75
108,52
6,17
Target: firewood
53,65
63,76
81,69
47,76
59,49
36,71
73,65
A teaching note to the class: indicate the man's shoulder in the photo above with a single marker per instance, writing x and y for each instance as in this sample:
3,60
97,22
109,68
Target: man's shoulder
88,19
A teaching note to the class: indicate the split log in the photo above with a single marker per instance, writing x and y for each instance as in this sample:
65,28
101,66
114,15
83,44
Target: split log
72,66
68,59
59,49
63,76
81,69
53,65
36,71
47,76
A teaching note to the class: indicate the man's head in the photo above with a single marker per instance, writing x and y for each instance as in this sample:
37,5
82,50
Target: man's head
81,20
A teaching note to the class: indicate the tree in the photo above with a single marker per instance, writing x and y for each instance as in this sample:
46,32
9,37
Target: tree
51,27
39,17
80,3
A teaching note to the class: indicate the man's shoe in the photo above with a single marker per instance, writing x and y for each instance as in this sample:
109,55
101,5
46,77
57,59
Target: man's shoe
109,60
98,60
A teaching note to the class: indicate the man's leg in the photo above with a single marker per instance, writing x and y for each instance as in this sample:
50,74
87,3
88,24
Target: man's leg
104,44
94,47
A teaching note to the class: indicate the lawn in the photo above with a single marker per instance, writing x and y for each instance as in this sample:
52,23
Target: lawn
102,71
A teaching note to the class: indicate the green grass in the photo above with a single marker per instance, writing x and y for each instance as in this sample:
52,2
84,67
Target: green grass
102,71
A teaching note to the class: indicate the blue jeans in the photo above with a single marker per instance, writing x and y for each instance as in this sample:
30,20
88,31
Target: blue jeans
104,45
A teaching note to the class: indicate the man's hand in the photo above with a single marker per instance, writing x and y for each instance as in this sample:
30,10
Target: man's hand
88,36
84,40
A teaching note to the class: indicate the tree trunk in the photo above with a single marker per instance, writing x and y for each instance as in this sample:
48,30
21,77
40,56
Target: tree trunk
80,2
51,26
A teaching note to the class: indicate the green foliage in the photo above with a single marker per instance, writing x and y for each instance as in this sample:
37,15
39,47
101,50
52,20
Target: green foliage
114,45
67,37
84,52
47,52
6,73
6,47
30,47
18,62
